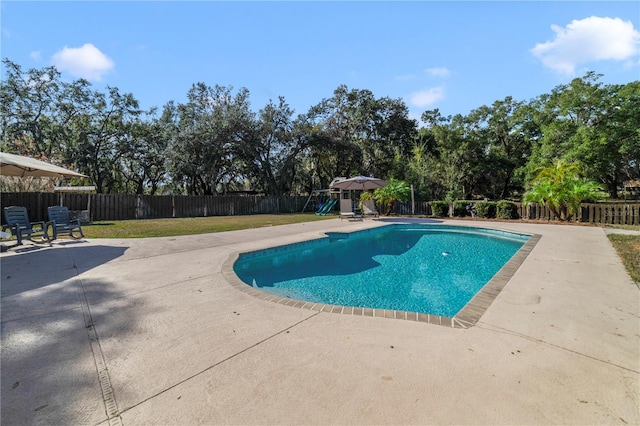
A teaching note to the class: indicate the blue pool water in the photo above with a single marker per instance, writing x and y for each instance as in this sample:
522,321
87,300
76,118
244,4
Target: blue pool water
433,269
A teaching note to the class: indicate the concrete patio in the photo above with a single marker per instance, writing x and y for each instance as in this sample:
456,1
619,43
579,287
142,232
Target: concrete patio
148,331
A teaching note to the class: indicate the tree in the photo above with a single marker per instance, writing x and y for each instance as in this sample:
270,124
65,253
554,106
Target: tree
591,123
205,134
421,166
365,133
611,150
504,128
100,133
271,152
561,186
29,112
389,138
145,164
396,190
458,160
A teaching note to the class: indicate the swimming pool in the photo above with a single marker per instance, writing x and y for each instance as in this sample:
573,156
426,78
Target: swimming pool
426,269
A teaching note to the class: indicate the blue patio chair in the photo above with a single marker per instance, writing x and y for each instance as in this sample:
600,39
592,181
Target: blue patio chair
20,226
61,222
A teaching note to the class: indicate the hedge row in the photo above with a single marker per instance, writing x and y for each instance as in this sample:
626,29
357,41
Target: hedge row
502,209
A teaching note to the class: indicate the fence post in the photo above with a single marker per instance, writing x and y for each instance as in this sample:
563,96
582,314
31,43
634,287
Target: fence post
39,207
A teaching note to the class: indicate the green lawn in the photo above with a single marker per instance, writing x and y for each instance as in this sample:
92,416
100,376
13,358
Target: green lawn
190,226
627,227
628,248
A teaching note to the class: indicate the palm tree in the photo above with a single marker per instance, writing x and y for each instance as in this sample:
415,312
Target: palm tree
396,190
561,186
582,190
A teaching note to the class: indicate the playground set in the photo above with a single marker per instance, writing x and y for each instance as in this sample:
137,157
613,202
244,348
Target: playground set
322,201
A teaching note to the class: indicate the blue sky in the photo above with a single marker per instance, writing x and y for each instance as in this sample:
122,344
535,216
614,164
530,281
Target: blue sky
455,56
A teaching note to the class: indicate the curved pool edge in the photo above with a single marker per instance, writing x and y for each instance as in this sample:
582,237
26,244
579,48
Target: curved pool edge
471,313
467,317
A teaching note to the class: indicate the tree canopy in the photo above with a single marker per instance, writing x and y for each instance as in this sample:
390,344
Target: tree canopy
214,143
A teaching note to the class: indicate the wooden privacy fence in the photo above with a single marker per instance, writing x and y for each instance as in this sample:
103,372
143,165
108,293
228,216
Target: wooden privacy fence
614,213
125,206
599,213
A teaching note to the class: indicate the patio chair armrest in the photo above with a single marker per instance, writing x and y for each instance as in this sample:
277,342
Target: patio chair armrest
14,227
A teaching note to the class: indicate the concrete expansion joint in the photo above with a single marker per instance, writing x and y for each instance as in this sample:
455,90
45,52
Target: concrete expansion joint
115,421
108,397
497,329
230,357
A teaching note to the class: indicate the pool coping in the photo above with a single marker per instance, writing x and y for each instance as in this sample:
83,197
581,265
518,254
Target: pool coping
467,317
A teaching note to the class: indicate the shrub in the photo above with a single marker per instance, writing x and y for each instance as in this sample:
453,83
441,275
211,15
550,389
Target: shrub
440,208
506,210
460,208
486,209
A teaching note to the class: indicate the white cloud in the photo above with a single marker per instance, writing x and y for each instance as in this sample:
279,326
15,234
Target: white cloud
36,54
427,97
438,72
588,40
85,62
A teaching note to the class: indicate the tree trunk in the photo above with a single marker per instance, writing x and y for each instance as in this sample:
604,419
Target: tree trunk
389,208
505,188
